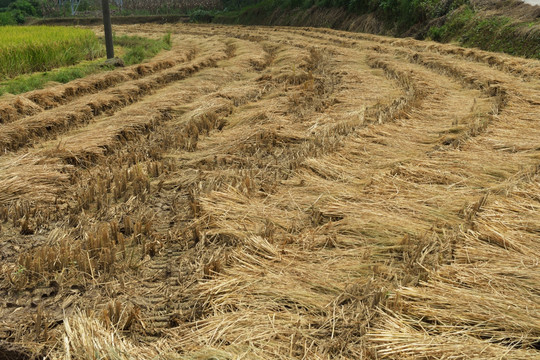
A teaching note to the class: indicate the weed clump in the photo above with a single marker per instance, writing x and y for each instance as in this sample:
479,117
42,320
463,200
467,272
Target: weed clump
140,48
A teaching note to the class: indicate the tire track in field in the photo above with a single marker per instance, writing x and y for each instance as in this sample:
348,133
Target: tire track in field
249,152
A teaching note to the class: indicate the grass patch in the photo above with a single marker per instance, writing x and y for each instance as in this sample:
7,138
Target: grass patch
501,34
452,26
496,33
29,82
132,49
139,48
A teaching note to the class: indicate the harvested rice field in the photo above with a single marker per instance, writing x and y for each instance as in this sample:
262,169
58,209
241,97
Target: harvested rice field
275,193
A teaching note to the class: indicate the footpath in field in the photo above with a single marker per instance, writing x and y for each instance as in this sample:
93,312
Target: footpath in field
275,193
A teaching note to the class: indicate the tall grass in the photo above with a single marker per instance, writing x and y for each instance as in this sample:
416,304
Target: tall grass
42,48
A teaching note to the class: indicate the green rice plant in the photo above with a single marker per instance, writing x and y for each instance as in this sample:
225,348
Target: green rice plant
42,48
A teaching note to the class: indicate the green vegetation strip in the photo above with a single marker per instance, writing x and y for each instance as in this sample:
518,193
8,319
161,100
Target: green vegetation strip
496,33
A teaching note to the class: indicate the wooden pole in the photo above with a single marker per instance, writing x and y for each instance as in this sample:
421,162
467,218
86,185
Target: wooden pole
108,29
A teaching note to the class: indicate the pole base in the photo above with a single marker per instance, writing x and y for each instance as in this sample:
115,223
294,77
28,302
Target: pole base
116,62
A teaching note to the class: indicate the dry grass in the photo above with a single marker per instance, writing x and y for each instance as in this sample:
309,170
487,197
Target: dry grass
20,133
30,178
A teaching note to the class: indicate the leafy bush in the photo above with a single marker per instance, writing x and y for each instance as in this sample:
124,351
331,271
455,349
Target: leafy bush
7,18
201,16
17,11
454,25
23,6
84,5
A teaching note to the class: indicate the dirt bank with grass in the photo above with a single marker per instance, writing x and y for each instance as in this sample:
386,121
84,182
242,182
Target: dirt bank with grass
116,20
511,26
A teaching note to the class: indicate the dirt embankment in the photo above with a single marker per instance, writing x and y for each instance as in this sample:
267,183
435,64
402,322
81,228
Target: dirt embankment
511,26
116,20
334,18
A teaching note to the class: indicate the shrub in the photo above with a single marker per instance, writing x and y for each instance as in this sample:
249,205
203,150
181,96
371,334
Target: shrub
7,18
201,15
23,6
